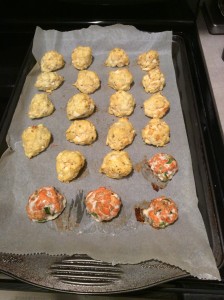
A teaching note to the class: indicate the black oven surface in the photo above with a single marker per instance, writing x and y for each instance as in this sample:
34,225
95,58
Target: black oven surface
17,62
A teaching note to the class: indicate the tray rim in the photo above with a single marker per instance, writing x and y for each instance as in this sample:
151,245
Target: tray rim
17,91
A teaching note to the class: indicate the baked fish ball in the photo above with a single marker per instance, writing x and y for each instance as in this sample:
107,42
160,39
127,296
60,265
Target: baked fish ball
153,81
103,204
116,164
81,132
120,79
120,134
156,132
156,106
87,82
45,204
35,139
122,104
51,61
117,58
48,81
164,166
80,106
40,106
148,60
82,57
68,165
159,170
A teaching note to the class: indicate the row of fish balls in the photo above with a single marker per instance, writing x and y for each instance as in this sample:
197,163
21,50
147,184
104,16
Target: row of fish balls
82,105
160,169
103,205
88,81
120,80
83,132
82,58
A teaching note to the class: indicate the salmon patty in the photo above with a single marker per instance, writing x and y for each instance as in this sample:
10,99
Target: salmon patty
45,204
102,204
159,213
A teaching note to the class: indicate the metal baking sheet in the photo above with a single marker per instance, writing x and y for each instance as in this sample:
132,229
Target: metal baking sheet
152,272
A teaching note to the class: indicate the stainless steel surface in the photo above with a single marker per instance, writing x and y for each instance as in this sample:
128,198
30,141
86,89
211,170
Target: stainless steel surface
221,6
212,48
213,14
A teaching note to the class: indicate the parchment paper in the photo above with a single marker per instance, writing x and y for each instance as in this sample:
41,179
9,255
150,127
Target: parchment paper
124,240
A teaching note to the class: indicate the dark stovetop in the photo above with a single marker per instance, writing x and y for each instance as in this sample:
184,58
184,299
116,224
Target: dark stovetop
16,33
11,62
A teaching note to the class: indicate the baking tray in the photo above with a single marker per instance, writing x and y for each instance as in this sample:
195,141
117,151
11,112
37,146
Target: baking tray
84,275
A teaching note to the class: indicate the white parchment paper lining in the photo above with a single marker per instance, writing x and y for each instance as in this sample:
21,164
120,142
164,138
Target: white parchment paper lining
184,244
